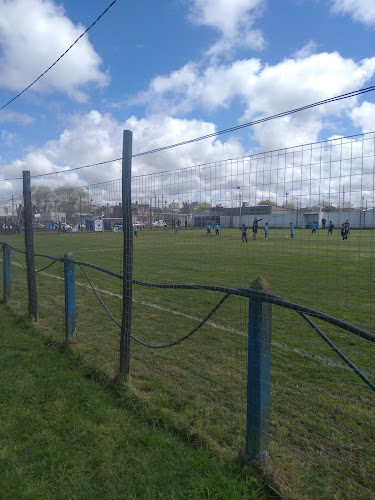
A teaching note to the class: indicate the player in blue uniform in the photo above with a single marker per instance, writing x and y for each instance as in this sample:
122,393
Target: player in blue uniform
243,229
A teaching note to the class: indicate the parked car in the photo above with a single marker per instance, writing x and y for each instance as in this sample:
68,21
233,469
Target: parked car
159,223
37,226
139,224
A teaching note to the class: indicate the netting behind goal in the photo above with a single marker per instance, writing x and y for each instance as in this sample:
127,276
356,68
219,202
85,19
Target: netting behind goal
303,219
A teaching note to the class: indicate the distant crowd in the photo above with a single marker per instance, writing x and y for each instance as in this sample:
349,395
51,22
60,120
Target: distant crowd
10,228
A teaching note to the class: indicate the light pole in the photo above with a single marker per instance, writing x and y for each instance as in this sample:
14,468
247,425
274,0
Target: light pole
56,202
239,198
80,211
286,200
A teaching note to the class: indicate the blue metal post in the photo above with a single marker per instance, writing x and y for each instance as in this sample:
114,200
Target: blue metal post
259,375
7,273
70,298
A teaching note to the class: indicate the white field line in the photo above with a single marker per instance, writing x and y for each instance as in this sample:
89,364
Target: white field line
324,360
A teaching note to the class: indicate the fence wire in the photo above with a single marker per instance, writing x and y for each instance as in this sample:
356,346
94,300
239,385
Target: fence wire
303,218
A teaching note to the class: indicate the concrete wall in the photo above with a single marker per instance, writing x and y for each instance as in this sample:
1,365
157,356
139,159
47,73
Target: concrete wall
356,220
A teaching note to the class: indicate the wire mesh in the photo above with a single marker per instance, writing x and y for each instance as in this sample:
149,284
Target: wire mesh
316,250
301,217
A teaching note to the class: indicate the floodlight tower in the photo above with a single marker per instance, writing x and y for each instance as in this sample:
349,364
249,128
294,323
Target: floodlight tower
239,197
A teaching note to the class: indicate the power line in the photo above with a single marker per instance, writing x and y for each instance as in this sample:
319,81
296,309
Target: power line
62,55
63,171
262,120
220,132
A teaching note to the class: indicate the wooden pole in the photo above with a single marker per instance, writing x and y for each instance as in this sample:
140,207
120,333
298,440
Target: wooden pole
29,245
127,286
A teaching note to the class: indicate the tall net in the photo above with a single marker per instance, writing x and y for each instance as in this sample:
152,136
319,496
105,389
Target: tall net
303,219
307,219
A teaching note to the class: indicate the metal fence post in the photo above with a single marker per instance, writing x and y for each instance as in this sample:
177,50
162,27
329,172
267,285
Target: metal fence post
127,285
70,298
29,245
259,374
6,273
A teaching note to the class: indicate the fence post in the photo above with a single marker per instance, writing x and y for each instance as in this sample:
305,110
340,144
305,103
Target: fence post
127,285
29,245
259,374
70,298
6,273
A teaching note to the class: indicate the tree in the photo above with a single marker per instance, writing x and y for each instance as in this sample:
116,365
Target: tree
69,198
328,207
185,207
347,204
203,206
288,204
266,202
174,205
42,197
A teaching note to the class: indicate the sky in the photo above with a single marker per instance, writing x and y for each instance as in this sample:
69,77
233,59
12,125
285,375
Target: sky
173,70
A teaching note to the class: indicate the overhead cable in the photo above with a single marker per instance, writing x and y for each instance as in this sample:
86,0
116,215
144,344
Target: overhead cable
220,132
261,120
62,55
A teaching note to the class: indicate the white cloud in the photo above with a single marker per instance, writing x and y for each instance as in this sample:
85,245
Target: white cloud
94,137
364,116
30,43
265,90
294,83
12,116
307,50
190,87
360,10
234,20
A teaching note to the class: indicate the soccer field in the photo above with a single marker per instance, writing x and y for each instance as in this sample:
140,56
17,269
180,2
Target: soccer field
320,409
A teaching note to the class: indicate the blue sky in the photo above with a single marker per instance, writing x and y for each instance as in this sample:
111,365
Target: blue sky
175,70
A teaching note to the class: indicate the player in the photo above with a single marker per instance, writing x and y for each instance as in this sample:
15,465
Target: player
344,231
244,229
135,232
255,227
314,227
217,227
176,228
266,231
291,230
330,228
208,227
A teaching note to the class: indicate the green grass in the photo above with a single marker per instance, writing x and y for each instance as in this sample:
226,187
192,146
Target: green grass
320,410
65,436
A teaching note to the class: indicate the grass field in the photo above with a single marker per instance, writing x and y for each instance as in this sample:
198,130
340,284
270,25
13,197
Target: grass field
64,436
322,436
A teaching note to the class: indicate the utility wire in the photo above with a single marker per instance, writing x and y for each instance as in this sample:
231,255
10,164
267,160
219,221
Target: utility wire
62,55
220,132
262,120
